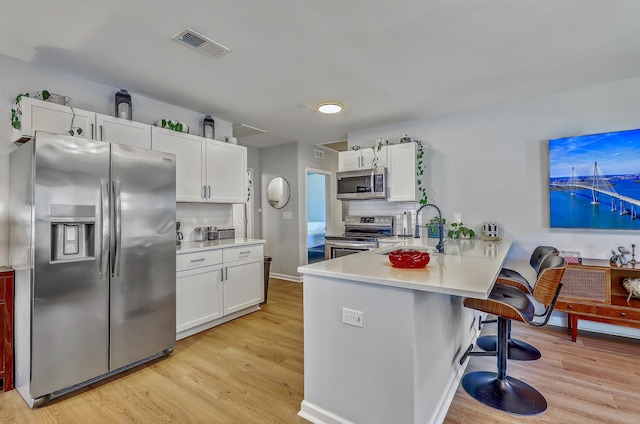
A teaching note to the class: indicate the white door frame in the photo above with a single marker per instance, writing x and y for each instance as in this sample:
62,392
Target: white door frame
328,206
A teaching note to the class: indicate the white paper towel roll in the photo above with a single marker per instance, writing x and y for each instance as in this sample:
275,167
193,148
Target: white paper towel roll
406,224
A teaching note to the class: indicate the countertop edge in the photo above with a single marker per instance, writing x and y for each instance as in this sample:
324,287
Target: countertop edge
196,246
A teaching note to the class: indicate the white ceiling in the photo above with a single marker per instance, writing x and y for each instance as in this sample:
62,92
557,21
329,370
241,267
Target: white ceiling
387,61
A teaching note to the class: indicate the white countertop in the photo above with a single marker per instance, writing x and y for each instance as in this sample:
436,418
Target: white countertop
467,268
194,246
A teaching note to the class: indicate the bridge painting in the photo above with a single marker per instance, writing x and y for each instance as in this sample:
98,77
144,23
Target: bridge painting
595,181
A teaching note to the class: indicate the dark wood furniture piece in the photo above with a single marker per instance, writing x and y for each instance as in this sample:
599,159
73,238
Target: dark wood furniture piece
593,291
6,328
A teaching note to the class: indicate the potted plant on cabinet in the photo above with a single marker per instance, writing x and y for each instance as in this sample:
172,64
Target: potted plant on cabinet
16,111
433,227
458,231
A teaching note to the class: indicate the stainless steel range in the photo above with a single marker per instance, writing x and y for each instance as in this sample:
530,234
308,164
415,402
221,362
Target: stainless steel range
361,233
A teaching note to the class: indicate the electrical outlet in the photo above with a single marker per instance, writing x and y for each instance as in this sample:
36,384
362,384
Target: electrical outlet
351,317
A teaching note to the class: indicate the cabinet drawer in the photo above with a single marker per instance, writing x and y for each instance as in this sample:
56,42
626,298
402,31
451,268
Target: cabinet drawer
577,308
198,259
616,312
231,254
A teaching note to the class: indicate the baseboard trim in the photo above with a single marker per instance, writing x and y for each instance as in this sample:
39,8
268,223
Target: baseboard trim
295,279
317,415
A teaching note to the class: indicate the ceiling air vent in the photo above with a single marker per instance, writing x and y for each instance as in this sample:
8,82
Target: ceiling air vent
199,42
243,130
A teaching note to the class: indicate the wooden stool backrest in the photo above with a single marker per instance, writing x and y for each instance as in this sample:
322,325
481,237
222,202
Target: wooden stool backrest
549,277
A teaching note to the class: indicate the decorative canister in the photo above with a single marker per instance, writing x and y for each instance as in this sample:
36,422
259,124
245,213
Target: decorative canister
200,233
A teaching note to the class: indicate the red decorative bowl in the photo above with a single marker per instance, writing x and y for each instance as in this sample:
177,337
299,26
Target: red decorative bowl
409,258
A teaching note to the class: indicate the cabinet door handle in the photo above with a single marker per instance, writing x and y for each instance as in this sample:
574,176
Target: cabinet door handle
204,192
570,306
93,136
244,254
101,133
197,260
221,274
623,314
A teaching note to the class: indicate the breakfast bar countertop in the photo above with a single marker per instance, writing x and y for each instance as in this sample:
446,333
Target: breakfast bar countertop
468,267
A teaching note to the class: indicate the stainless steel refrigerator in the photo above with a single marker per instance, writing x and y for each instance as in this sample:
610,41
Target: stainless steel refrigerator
93,247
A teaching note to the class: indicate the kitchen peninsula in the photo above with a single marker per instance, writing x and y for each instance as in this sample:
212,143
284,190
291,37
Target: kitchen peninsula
383,344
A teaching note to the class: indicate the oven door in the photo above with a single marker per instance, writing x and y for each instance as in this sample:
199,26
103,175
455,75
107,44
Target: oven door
336,249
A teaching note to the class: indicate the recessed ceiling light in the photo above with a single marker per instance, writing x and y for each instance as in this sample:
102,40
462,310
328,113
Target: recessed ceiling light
329,107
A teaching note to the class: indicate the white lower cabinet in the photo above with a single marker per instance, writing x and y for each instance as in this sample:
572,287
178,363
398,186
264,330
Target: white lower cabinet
243,282
216,286
198,297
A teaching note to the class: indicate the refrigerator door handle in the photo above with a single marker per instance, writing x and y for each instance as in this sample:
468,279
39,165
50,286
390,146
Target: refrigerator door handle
117,217
104,222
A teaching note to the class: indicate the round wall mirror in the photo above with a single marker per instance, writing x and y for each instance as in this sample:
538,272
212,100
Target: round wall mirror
278,192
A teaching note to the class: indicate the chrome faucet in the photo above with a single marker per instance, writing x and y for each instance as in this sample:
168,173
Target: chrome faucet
440,245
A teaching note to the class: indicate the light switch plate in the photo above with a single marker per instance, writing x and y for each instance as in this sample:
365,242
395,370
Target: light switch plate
287,215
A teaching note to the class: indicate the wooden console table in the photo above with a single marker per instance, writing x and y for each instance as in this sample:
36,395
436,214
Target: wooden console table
6,327
593,291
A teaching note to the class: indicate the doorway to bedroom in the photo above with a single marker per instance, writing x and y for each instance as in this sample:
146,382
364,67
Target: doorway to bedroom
317,203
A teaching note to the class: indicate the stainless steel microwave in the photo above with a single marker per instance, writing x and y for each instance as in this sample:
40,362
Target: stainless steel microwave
362,184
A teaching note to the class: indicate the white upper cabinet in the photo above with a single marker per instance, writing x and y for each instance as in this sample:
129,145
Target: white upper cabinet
122,131
38,115
402,167
189,151
206,170
366,158
60,119
226,166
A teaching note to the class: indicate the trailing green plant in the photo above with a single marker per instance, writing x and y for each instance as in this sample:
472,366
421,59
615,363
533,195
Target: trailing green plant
458,230
16,111
420,173
174,125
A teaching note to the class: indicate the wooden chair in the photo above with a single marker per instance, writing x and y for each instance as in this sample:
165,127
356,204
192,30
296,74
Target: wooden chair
498,390
518,350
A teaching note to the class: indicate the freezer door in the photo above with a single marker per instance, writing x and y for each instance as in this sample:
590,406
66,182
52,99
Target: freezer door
69,317
143,265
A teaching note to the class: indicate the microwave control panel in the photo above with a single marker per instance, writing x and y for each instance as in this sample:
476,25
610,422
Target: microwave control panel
378,183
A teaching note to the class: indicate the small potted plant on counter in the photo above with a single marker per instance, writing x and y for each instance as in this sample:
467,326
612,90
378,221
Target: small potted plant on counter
458,231
433,227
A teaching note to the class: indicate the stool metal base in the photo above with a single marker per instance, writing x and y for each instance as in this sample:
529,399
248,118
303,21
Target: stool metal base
509,395
517,349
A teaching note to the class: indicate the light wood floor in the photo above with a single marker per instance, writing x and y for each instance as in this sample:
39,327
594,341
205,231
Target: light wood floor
251,371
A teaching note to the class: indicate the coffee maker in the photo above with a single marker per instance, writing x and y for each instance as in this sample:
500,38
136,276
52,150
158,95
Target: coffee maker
178,233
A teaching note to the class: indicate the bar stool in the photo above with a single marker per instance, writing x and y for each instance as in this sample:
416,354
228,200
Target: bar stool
498,390
518,350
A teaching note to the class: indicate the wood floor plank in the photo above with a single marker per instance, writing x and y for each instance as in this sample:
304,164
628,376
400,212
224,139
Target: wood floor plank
250,370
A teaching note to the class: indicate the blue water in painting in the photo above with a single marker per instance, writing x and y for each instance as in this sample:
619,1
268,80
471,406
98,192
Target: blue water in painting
613,158
577,211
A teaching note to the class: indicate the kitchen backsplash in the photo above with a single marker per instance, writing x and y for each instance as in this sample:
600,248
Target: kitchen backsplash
395,209
192,215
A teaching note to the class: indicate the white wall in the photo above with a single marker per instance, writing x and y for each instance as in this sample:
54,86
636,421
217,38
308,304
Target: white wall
492,163
20,77
284,229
